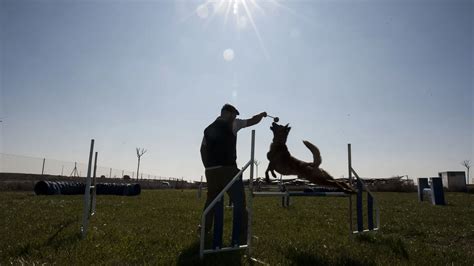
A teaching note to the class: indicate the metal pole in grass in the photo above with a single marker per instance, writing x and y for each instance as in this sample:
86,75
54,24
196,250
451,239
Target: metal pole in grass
42,169
94,189
85,216
250,198
349,163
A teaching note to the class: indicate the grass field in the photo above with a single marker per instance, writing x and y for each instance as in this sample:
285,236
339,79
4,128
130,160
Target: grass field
159,227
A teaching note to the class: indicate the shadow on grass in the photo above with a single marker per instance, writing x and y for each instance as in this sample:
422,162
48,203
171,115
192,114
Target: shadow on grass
298,257
27,249
190,256
396,245
52,240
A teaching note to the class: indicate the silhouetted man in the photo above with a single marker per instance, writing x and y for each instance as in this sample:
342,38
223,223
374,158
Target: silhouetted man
219,155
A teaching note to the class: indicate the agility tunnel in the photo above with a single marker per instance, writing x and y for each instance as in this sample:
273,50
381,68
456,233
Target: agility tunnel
77,188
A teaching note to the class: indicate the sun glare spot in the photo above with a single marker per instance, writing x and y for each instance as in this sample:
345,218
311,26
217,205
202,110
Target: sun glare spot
242,22
202,11
228,55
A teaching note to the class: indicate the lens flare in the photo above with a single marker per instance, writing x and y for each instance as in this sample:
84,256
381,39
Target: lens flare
228,55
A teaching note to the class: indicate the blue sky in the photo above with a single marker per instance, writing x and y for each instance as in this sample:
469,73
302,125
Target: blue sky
394,78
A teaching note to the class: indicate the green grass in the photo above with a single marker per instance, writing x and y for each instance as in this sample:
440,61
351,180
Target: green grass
159,227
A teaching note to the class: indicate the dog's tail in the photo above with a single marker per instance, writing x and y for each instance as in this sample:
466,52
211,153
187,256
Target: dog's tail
315,151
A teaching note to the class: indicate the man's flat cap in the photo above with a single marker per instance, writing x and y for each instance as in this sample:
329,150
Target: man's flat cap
230,108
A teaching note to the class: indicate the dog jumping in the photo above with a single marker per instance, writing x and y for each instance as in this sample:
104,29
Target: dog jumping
280,160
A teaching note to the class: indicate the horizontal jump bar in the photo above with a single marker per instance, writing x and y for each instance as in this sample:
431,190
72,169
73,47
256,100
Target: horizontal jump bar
301,194
269,194
318,194
208,251
366,230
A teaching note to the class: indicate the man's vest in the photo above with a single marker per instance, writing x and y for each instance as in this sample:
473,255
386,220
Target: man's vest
220,148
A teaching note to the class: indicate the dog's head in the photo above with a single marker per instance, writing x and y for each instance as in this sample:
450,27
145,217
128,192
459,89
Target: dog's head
280,133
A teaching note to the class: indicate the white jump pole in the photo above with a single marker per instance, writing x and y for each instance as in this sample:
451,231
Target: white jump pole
349,163
85,216
250,198
94,189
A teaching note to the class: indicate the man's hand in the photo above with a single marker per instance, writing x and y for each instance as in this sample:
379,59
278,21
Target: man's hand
256,119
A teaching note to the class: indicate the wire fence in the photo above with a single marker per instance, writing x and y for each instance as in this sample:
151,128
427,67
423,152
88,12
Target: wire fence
11,163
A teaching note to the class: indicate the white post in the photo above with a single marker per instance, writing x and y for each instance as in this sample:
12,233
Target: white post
85,216
42,169
250,198
349,163
94,190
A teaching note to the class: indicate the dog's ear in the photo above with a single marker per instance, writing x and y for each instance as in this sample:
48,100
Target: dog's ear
286,125
288,129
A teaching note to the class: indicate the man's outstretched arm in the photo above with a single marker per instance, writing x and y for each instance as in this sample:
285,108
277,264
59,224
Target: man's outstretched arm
256,119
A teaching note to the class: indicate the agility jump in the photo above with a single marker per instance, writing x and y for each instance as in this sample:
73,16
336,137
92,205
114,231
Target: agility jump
89,189
217,203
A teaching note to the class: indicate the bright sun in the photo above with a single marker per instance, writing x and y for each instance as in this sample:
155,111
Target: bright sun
240,11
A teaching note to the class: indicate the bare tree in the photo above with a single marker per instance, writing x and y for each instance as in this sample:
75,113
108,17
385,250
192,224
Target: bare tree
140,153
257,163
467,164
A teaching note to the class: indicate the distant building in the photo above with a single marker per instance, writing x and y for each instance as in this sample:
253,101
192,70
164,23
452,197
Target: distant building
454,180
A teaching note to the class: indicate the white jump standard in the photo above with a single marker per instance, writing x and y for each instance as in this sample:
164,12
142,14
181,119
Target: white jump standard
217,204
89,193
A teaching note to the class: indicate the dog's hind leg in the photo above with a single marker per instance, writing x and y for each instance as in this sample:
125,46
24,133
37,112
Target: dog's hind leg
273,173
271,169
267,177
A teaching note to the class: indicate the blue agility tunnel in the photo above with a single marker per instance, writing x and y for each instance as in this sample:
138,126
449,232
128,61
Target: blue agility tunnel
77,188
59,187
118,189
